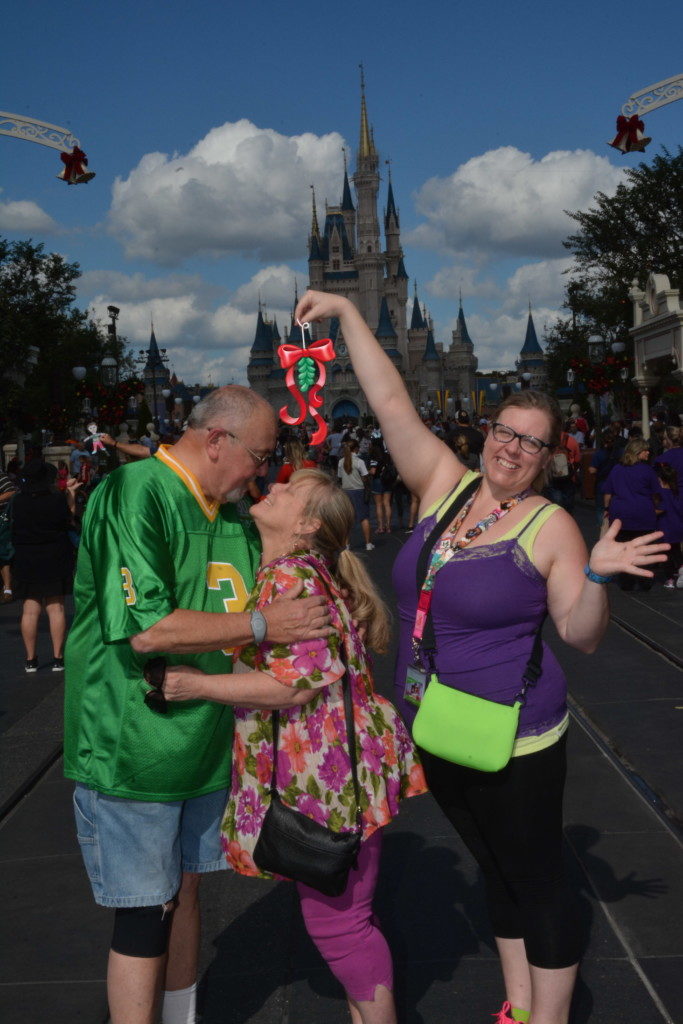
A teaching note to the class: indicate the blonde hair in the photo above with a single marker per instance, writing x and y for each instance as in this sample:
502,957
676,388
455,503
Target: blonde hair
531,399
328,503
348,449
674,436
295,454
635,447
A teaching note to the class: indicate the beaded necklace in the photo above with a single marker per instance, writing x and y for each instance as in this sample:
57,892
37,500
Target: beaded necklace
450,542
447,547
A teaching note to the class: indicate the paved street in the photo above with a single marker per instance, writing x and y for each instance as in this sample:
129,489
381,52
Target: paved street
624,811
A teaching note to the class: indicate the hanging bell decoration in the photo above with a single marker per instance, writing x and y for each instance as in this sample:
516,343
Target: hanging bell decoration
629,137
75,164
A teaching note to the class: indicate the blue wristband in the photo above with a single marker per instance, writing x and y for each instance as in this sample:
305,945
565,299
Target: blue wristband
593,576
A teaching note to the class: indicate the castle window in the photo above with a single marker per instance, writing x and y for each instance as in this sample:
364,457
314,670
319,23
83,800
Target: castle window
335,264
369,248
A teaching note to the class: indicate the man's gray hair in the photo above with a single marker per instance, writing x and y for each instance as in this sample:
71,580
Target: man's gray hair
232,404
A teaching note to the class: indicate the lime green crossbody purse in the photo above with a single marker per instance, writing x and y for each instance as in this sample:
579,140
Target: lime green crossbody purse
457,726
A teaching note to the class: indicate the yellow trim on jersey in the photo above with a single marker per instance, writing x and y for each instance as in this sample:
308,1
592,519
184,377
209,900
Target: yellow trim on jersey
532,744
209,508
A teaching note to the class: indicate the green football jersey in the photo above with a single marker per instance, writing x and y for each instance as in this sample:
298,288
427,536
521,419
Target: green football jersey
151,543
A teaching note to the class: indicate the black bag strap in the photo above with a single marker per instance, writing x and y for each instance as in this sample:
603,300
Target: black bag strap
348,715
350,739
534,665
440,527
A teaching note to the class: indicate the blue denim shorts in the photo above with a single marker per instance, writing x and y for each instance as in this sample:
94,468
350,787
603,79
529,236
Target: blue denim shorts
135,851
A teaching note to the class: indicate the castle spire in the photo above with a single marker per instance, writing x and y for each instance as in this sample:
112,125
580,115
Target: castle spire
315,229
367,144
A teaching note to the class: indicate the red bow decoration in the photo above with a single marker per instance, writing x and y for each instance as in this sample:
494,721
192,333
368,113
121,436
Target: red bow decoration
74,172
319,352
629,137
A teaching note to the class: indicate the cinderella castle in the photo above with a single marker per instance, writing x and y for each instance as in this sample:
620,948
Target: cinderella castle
347,257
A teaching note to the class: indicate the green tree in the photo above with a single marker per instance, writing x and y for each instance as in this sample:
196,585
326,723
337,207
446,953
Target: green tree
42,336
621,238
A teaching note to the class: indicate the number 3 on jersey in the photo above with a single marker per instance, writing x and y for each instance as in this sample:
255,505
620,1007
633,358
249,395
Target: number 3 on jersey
224,576
128,588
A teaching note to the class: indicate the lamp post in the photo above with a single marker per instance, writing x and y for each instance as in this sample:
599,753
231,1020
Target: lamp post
526,380
596,354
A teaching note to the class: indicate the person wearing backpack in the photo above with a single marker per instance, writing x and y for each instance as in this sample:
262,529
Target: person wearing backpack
563,472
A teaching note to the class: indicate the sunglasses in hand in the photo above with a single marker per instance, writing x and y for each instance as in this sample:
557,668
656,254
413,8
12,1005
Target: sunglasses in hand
154,674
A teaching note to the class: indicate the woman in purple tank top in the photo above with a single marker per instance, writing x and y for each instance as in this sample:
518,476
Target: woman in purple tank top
488,601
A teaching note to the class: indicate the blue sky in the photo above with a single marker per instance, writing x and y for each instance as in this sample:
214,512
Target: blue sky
206,124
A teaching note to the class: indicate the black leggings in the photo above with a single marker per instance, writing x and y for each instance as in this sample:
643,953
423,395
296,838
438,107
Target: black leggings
511,822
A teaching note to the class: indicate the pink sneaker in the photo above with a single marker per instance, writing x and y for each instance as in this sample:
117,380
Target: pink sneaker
504,1015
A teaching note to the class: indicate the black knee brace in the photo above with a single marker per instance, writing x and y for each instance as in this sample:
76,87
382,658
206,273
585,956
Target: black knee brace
142,931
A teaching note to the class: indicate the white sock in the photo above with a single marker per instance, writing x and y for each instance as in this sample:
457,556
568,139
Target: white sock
180,1007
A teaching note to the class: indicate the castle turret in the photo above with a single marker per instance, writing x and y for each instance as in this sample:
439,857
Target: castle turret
532,358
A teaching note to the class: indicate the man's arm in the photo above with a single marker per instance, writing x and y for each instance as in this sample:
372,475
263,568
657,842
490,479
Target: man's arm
289,618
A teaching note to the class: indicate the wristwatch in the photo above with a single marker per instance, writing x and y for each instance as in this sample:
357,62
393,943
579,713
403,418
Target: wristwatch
595,578
259,626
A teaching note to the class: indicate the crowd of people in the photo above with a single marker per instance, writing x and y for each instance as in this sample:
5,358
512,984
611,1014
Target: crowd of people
185,726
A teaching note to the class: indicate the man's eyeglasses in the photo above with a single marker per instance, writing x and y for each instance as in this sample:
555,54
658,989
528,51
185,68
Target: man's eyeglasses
154,674
527,442
260,460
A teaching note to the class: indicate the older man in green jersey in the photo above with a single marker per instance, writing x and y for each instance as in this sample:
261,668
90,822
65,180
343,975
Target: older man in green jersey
165,552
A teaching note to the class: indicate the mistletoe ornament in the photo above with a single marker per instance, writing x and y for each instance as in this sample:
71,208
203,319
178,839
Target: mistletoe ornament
306,376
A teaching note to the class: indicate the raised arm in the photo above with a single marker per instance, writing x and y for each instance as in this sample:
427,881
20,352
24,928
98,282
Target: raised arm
425,463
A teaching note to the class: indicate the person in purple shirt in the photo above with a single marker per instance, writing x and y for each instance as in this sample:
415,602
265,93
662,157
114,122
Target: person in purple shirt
526,559
673,456
671,523
632,495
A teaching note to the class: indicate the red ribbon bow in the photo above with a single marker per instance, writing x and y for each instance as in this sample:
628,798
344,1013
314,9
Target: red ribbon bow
75,163
321,352
629,135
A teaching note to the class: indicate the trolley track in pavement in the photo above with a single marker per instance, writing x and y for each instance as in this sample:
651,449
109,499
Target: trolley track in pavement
618,760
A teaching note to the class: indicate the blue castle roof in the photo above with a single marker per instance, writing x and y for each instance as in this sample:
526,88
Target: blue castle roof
385,328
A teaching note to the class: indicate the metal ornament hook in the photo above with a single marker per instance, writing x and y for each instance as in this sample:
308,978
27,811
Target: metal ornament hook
305,326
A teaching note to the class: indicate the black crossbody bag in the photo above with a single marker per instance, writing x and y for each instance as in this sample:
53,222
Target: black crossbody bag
293,845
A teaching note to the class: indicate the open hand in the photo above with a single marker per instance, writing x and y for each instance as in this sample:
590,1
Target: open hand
610,556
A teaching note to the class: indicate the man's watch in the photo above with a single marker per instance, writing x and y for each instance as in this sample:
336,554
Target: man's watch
259,626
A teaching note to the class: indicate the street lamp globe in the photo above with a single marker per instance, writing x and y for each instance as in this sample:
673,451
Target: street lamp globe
196,398
79,372
596,348
617,347
166,392
109,370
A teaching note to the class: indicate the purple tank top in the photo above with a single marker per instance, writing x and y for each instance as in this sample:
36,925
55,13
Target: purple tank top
488,602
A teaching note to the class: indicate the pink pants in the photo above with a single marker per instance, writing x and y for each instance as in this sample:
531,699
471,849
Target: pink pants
345,931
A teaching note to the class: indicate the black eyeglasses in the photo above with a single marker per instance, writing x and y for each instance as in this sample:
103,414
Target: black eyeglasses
154,674
527,442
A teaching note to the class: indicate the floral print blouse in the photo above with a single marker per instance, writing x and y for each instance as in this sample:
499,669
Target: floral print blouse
313,766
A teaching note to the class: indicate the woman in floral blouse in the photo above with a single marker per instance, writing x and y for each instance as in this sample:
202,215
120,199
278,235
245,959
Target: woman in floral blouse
304,527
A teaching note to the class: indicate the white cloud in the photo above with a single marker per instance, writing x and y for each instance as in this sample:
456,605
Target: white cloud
273,286
505,203
25,215
122,288
449,282
541,284
241,189
201,338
